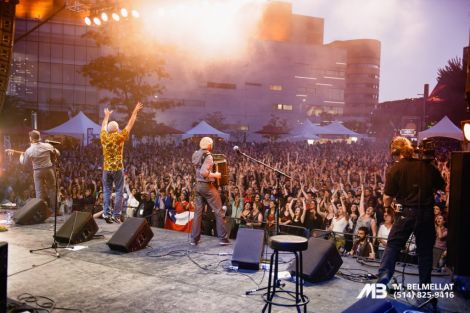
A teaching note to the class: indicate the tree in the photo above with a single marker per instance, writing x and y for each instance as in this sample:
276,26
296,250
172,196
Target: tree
448,97
216,120
132,72
275,128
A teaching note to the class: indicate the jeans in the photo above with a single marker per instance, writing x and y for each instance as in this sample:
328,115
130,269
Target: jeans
421,223
108,178
208,194
44,185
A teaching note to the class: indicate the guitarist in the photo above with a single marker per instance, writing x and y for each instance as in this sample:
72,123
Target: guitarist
40,154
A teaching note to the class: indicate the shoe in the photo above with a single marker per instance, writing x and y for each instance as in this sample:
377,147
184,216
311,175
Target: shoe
108,219
383,279
193,243
224,242
116,219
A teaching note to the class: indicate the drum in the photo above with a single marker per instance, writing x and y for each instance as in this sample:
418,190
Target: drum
221,166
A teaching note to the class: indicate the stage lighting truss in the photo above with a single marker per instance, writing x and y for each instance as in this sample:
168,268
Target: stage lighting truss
99,16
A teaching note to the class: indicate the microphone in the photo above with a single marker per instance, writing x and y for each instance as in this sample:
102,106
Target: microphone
52,142
236,149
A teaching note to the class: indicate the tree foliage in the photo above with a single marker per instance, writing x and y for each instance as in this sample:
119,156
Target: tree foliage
131,71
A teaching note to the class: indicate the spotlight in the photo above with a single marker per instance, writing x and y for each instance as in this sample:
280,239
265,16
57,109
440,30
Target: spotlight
135,13
466,130
104,17
97,21
124,12
87,21
116,17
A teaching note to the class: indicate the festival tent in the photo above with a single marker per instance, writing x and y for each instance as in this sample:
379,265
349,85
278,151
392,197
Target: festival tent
204,129
307,131
336,128
443,128
78,127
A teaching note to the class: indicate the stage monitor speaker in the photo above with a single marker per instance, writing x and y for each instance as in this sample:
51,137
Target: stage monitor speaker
79,227
33,212
458,254
134,234
320,261
3,275
248,248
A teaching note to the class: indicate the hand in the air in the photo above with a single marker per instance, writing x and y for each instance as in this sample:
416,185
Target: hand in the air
107,112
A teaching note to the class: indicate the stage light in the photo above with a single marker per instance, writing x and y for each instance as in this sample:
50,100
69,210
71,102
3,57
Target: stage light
104,17
97,21
135,13
466,130
124,12
115,17
87,21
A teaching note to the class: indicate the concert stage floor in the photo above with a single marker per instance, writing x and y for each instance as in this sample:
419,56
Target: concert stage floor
96,279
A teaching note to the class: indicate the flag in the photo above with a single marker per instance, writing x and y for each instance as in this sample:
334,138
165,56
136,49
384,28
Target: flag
180,219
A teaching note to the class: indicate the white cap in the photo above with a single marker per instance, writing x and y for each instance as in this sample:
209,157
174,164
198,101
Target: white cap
205,143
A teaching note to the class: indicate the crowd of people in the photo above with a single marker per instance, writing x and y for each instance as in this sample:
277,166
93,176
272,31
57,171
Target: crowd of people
336,189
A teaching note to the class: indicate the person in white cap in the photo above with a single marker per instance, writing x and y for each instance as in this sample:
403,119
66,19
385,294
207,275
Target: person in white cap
206,192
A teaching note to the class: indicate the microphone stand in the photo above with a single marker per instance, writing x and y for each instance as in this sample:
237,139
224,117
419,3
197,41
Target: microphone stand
279,174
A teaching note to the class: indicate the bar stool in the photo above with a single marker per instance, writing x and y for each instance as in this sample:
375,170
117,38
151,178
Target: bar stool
296,245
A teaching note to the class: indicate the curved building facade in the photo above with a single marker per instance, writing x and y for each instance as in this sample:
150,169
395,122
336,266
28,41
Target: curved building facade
361,94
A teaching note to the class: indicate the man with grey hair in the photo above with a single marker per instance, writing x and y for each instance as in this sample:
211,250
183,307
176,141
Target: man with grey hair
206,192
112,141
40,154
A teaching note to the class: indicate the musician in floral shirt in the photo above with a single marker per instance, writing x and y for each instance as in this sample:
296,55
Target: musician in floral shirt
112,141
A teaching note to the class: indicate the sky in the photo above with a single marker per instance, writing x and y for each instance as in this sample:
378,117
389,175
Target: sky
417,36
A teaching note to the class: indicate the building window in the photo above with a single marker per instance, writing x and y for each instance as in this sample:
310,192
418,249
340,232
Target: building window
275,87
283,107
221,85
253,84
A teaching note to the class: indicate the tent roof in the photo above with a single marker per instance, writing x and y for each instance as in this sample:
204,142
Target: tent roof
308,129
77,127
336,128
204,129
443,128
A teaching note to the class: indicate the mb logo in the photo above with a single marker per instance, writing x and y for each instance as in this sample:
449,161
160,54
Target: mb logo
376,291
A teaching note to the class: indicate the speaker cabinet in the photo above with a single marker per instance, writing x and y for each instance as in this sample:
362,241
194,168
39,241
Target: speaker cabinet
458,254
79,227
320,261
248,248
35,211
3,275
134,234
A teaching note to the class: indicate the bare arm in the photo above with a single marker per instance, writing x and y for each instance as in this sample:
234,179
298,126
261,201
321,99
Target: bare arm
362,209
104,124
133,117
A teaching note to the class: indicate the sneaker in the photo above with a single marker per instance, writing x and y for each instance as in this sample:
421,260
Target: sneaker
108,219
194,243
224,242
116,219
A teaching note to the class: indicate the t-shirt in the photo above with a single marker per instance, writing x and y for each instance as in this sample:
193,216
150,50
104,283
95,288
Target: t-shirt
383,234
113,145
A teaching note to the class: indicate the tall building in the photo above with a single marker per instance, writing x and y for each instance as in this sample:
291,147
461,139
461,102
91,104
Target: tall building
289,73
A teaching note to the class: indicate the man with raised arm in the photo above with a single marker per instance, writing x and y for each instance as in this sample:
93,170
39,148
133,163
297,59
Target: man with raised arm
112,141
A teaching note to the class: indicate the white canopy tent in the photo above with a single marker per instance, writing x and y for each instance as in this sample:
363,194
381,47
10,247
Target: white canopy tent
443,128
204,129
336,128
77,127
306,131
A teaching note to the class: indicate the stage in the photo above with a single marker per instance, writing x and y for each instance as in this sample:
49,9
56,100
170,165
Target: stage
169,276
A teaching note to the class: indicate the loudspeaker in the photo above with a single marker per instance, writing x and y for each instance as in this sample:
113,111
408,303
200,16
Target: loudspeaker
3,275
134,234
320,261
248,248
79,227
33,212
458,254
